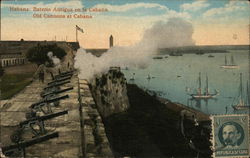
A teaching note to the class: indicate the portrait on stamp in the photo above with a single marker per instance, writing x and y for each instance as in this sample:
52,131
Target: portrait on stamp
230,135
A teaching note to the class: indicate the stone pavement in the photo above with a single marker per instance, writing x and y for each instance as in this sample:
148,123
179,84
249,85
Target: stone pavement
81,131
68,143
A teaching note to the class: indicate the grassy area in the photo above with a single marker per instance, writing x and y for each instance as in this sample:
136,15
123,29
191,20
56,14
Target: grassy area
11,84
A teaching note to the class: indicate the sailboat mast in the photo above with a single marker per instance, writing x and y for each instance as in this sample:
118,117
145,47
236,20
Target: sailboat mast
248,95
199,80
241,88
232,60
206,85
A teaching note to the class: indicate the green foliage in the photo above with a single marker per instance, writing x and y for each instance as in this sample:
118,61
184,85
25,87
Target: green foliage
11,84
1,71
39,53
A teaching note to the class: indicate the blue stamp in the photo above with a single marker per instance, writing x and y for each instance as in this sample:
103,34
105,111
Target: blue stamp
231,136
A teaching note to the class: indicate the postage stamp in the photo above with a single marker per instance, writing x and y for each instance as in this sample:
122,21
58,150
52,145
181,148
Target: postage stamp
230,136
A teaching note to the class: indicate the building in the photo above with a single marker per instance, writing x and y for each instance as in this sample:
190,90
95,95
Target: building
12,59
14,52
111,41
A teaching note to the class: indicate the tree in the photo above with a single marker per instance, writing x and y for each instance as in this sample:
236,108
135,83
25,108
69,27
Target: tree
39,53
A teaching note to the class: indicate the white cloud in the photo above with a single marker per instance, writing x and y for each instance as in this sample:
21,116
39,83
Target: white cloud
230,9
195,6
167,13
126,7
60,4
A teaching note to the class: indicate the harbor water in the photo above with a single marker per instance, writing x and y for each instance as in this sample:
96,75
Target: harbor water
173,77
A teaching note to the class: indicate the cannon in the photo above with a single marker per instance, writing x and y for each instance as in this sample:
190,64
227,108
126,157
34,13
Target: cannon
56,84
60,74
65,74
54,92
11,149
50,89
46,101
59,80
35,124
42,118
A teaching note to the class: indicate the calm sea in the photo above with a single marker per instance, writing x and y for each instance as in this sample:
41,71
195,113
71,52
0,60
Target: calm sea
175,75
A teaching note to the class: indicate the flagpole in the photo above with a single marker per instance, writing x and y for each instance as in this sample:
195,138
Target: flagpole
76,35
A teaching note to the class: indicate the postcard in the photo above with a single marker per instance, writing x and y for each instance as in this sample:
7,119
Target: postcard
127,78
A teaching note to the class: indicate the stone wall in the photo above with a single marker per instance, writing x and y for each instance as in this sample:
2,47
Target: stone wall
95,142
110,92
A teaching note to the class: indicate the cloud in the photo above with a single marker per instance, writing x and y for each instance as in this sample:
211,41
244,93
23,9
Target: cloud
59,4
195,6
148,11
130,6
233,8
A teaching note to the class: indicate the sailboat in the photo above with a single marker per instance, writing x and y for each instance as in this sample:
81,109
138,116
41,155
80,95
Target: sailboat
205,94
231,65
242,102
133,78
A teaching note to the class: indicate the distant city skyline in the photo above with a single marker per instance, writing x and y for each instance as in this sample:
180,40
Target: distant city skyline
224,22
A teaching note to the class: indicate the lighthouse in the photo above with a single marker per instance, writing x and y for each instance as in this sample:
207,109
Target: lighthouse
111,41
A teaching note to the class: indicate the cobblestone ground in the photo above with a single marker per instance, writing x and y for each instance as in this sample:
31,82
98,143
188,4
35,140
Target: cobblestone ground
81,131
68,143
13,111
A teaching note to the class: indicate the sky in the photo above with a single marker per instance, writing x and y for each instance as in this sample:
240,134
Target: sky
214,22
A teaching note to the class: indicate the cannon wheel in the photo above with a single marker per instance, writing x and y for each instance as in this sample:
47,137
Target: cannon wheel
30,114
16,136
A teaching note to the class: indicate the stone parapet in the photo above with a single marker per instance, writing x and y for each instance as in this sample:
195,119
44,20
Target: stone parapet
96,143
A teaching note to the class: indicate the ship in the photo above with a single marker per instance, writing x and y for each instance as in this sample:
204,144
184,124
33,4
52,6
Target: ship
132,78
176,54
231,65
203,95
242,101
157,57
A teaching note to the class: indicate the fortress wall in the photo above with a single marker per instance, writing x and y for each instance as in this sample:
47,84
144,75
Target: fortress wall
95,142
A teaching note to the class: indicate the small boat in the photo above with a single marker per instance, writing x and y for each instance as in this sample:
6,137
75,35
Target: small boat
206,94
210,56
157,57
132,78
199,53
175,54
149,77
231,65
242,102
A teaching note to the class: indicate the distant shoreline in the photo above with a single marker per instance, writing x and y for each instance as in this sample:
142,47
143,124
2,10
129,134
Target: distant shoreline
202,49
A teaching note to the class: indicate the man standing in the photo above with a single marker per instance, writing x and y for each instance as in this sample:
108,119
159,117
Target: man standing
41,75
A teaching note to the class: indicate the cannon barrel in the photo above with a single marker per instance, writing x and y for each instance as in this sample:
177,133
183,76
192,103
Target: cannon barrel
56,84
50,100
56,92
43,118
66,72
28,143
59,80
63,75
